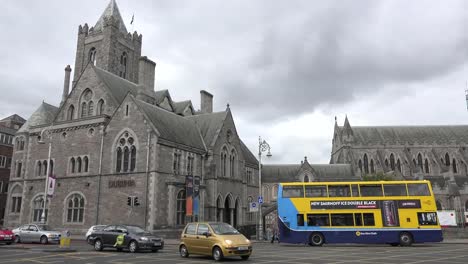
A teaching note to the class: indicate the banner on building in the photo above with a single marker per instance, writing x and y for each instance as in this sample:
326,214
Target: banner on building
196,195
447,218
189,195
51,186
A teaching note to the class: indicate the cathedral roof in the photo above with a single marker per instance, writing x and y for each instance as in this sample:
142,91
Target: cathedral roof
112,10
173,127
118,87
248,156
179,107
321,172
15,118
209,125
7,130
410,134
44,115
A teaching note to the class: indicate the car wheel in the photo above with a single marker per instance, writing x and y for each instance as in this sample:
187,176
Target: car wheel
316,239
133,247
183,251
98,245
406,239
245,257
217,254
44,240
17,239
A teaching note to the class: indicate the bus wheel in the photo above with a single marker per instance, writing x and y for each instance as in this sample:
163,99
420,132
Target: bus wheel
316,239
406,239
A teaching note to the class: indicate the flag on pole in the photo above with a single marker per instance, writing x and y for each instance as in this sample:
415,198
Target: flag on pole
131,22
51,186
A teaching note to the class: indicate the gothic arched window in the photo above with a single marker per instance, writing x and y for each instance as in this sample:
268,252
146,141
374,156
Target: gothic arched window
85,164
38,168
454,166
123,65
75,208
372,168
44,166
181,207
306,178
420,162
72,165
38,207
92,56
100,107
447,159
84,109
366,164
233,164
71,112
90,108
78,164
392,162
126,153
398,164
426,166
360,165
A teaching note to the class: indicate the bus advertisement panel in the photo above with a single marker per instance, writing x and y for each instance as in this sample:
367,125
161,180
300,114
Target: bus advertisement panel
394,212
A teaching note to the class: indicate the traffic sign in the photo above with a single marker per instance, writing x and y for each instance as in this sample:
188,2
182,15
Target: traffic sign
260,199
253,207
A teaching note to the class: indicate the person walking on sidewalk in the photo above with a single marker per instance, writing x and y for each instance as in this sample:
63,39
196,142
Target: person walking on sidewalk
275,231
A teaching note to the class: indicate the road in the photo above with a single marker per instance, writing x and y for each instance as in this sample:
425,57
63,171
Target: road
263,253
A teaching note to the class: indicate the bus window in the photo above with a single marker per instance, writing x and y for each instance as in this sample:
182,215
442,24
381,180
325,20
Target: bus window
371,190
293,191
368,219
342,220
318,220
339,191
316,191
300,220
418,189
358,219
427,218
355,190
395,189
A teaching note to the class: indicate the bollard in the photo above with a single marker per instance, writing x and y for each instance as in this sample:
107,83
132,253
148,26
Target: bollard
65,239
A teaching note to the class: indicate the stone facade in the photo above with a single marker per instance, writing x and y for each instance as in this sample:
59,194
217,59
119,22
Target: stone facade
114,137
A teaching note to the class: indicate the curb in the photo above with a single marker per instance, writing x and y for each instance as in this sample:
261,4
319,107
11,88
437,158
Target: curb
57,250
14,247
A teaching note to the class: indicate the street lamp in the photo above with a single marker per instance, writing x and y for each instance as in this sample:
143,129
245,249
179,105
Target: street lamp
263,146
41,141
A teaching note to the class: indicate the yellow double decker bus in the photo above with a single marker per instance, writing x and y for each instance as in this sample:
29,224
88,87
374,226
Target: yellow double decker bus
391,212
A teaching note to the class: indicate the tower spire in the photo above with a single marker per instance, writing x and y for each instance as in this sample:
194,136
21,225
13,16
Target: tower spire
112,10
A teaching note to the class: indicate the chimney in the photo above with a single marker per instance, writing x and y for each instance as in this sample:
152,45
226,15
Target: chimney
146,73
206,102
66,84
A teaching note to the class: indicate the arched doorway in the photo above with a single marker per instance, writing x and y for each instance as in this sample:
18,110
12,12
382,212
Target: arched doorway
227,215
219,209
236,213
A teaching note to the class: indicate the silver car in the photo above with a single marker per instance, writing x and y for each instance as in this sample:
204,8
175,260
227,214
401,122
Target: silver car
93,229
36,233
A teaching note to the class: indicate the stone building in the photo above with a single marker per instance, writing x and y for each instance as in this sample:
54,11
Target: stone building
113,137
8,128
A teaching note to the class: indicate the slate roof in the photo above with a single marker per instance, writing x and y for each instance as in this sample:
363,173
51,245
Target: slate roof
322,172
117,86
44,115
209,124
173,127
179,107
7,130
112,10
248,155
15,118
410,134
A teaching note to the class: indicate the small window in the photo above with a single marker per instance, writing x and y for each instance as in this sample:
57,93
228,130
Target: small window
316,191
339,191
342,220
318,220
371,190
191,229
300,220
202,229
395,189
368,219
418,189
358,219
293,191
355,190
427,218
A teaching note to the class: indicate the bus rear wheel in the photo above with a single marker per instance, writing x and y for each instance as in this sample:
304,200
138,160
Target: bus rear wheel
406,239
316,239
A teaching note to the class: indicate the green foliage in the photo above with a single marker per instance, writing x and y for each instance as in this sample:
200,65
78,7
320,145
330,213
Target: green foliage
379,176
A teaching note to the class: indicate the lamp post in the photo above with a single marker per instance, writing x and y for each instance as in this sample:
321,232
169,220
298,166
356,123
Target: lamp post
263,146
41,141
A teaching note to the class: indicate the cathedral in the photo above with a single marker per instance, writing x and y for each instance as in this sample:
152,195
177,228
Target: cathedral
120,151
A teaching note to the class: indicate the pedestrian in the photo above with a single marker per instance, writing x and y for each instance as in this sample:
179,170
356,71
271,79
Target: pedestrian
275,232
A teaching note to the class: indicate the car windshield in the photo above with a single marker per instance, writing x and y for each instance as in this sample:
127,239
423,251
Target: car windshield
224,229
135,229
43,228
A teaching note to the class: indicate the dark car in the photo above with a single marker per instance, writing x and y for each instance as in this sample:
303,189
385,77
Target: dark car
132,237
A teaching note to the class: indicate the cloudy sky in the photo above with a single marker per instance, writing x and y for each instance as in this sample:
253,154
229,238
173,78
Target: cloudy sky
286,68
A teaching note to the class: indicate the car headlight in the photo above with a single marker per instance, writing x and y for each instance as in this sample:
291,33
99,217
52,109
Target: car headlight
247,241
144,239
229,242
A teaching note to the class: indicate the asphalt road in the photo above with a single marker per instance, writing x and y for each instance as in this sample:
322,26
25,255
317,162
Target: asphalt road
263,253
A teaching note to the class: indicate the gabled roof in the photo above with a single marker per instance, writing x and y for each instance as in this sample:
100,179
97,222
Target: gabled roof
44,115
179,107
322,172
209,125
172,127
14,118
410,134
117,86
111,11
248,155
280,172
